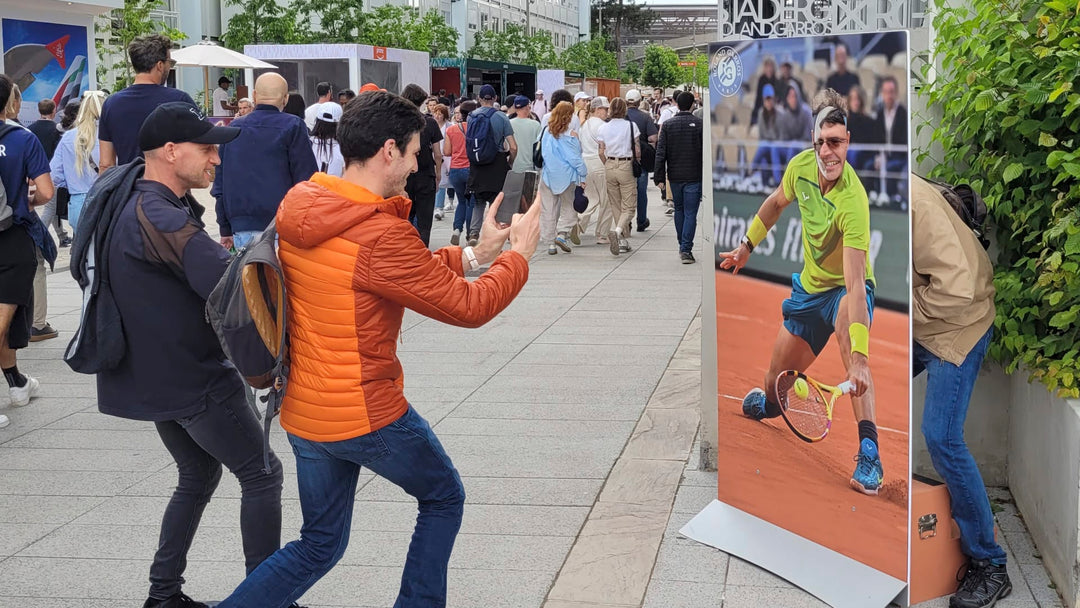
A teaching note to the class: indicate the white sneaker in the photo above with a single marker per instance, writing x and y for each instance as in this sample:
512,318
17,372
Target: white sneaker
4,421
439,214
21,396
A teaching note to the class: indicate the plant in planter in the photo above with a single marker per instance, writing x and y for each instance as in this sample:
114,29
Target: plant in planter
1006,76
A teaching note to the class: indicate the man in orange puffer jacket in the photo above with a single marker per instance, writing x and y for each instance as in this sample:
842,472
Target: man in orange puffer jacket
352,264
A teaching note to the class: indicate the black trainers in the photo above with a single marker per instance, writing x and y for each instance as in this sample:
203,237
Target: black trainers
687,257
643,226
982,585
177,601
65,242
44,333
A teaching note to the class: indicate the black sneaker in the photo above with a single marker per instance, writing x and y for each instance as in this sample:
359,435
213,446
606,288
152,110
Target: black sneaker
65,242
687,257
642,227
177,601
982,585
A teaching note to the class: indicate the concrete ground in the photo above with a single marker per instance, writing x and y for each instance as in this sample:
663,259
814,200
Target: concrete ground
572,418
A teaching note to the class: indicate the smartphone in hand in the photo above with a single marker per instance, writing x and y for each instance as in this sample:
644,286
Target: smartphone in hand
519,192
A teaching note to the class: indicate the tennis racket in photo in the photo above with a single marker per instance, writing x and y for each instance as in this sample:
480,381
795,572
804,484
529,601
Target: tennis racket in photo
807,405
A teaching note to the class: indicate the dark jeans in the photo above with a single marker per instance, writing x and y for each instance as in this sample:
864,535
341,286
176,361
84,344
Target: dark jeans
687,199
459,178
422,212
226,432
948,394
408,454
642,199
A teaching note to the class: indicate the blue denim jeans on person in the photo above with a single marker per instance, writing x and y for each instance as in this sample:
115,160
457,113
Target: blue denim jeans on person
687,199
408,454
948,394
225,432
459,180
642,199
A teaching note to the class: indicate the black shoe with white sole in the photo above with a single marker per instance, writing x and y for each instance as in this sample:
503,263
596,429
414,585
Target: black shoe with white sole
982,586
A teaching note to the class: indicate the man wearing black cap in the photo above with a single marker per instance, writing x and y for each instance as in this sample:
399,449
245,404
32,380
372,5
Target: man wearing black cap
222,107
486,181
163,266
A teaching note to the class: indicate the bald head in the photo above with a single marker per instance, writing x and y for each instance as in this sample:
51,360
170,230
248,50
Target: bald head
271,89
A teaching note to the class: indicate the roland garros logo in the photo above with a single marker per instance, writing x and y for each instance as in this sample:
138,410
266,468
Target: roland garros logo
728,71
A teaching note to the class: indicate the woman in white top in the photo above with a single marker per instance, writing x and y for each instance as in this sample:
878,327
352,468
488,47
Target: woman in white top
324,139
74,165
618,143
596,182
442,116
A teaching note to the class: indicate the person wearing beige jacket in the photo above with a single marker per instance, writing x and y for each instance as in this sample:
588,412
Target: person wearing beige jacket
952,317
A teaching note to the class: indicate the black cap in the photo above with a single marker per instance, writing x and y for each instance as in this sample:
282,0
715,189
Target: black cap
180,122
224,79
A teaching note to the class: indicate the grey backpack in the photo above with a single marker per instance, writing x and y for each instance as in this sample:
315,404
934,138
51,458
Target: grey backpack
248,310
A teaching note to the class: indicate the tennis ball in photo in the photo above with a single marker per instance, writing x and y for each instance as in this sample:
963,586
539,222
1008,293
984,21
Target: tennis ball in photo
802,389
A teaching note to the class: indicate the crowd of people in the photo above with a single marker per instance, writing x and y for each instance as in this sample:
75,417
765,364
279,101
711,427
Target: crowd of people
363,175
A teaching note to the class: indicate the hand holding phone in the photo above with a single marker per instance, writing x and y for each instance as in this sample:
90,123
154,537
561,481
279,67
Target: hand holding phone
519,193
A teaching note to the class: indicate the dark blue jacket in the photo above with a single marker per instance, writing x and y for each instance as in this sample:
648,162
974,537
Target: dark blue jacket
271,155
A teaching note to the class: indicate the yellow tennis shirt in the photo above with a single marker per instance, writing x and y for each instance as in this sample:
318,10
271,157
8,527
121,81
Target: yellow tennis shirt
829,223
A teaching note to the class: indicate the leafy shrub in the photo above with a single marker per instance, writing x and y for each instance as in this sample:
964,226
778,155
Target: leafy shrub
1006,81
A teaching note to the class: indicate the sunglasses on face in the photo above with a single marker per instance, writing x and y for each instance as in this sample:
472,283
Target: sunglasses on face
830,142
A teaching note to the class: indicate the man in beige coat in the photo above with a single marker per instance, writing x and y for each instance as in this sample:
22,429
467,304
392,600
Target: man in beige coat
953,317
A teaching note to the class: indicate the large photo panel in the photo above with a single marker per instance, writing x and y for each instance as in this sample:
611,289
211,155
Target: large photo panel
810,135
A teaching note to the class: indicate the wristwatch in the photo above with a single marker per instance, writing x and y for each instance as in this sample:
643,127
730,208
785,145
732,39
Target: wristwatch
471,256
749,245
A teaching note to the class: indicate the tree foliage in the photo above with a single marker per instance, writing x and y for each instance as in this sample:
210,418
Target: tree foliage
513,45
262,21
660,68
333,21
121,26
620,17
632,72
695,75
592,58
405,28
1006,89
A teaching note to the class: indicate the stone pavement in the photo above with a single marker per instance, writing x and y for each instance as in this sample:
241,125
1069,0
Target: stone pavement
571,417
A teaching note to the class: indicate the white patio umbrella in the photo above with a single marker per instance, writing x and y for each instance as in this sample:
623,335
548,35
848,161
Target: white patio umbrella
209,54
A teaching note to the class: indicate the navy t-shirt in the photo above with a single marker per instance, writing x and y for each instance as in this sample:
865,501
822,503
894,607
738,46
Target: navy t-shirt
124,112
21,158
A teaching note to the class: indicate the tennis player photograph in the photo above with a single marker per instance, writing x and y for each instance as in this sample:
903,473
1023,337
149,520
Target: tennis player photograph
810,179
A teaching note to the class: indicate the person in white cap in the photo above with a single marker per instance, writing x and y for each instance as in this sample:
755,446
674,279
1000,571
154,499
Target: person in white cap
539,104
581,106
596,179
324,139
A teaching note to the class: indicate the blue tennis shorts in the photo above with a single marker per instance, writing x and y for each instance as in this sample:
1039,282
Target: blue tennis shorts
812,317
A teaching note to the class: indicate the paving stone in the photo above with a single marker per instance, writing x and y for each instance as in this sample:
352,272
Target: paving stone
664,433
501,490
551,411
666,594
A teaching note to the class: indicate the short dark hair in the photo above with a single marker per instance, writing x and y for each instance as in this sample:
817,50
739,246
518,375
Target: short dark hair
372,119
71,112
346,93
146,51
685,101
323,88
891,79
561,95
295,104
467,108
7,85
46,106
415,93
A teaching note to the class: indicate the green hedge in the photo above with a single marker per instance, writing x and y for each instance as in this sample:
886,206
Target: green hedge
1009,86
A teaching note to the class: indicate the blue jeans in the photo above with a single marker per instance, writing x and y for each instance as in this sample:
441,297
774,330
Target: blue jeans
440,198
406,453
75,205
687,199
948,393
642,199
459,179
243,238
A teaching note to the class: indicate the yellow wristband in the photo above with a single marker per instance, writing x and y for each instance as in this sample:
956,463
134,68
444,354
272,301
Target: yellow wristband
757,231
860,339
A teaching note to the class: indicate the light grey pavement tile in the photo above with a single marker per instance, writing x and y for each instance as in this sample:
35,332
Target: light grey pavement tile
528,389
87,439
664,433
1044,592
16,537
534,456
76,578
37,509
508,339
583,326
67,483
28,602
565,604
502,491
96,421
690,563
551,411
755,597
678,389
567,429
630,355
465,361
745,574
40,459
40,412
692,499
598,373
650,483
615,338
668,594
221,512
445,378
700,478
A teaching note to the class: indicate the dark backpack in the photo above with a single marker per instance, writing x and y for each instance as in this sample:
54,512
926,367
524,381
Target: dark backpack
480,144
538,150
967,204
7,213
248,310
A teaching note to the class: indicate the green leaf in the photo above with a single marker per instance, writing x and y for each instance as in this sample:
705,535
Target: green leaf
1009,121
1057,157
1012,172
1063,319
1047,140
984,100
1062,88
